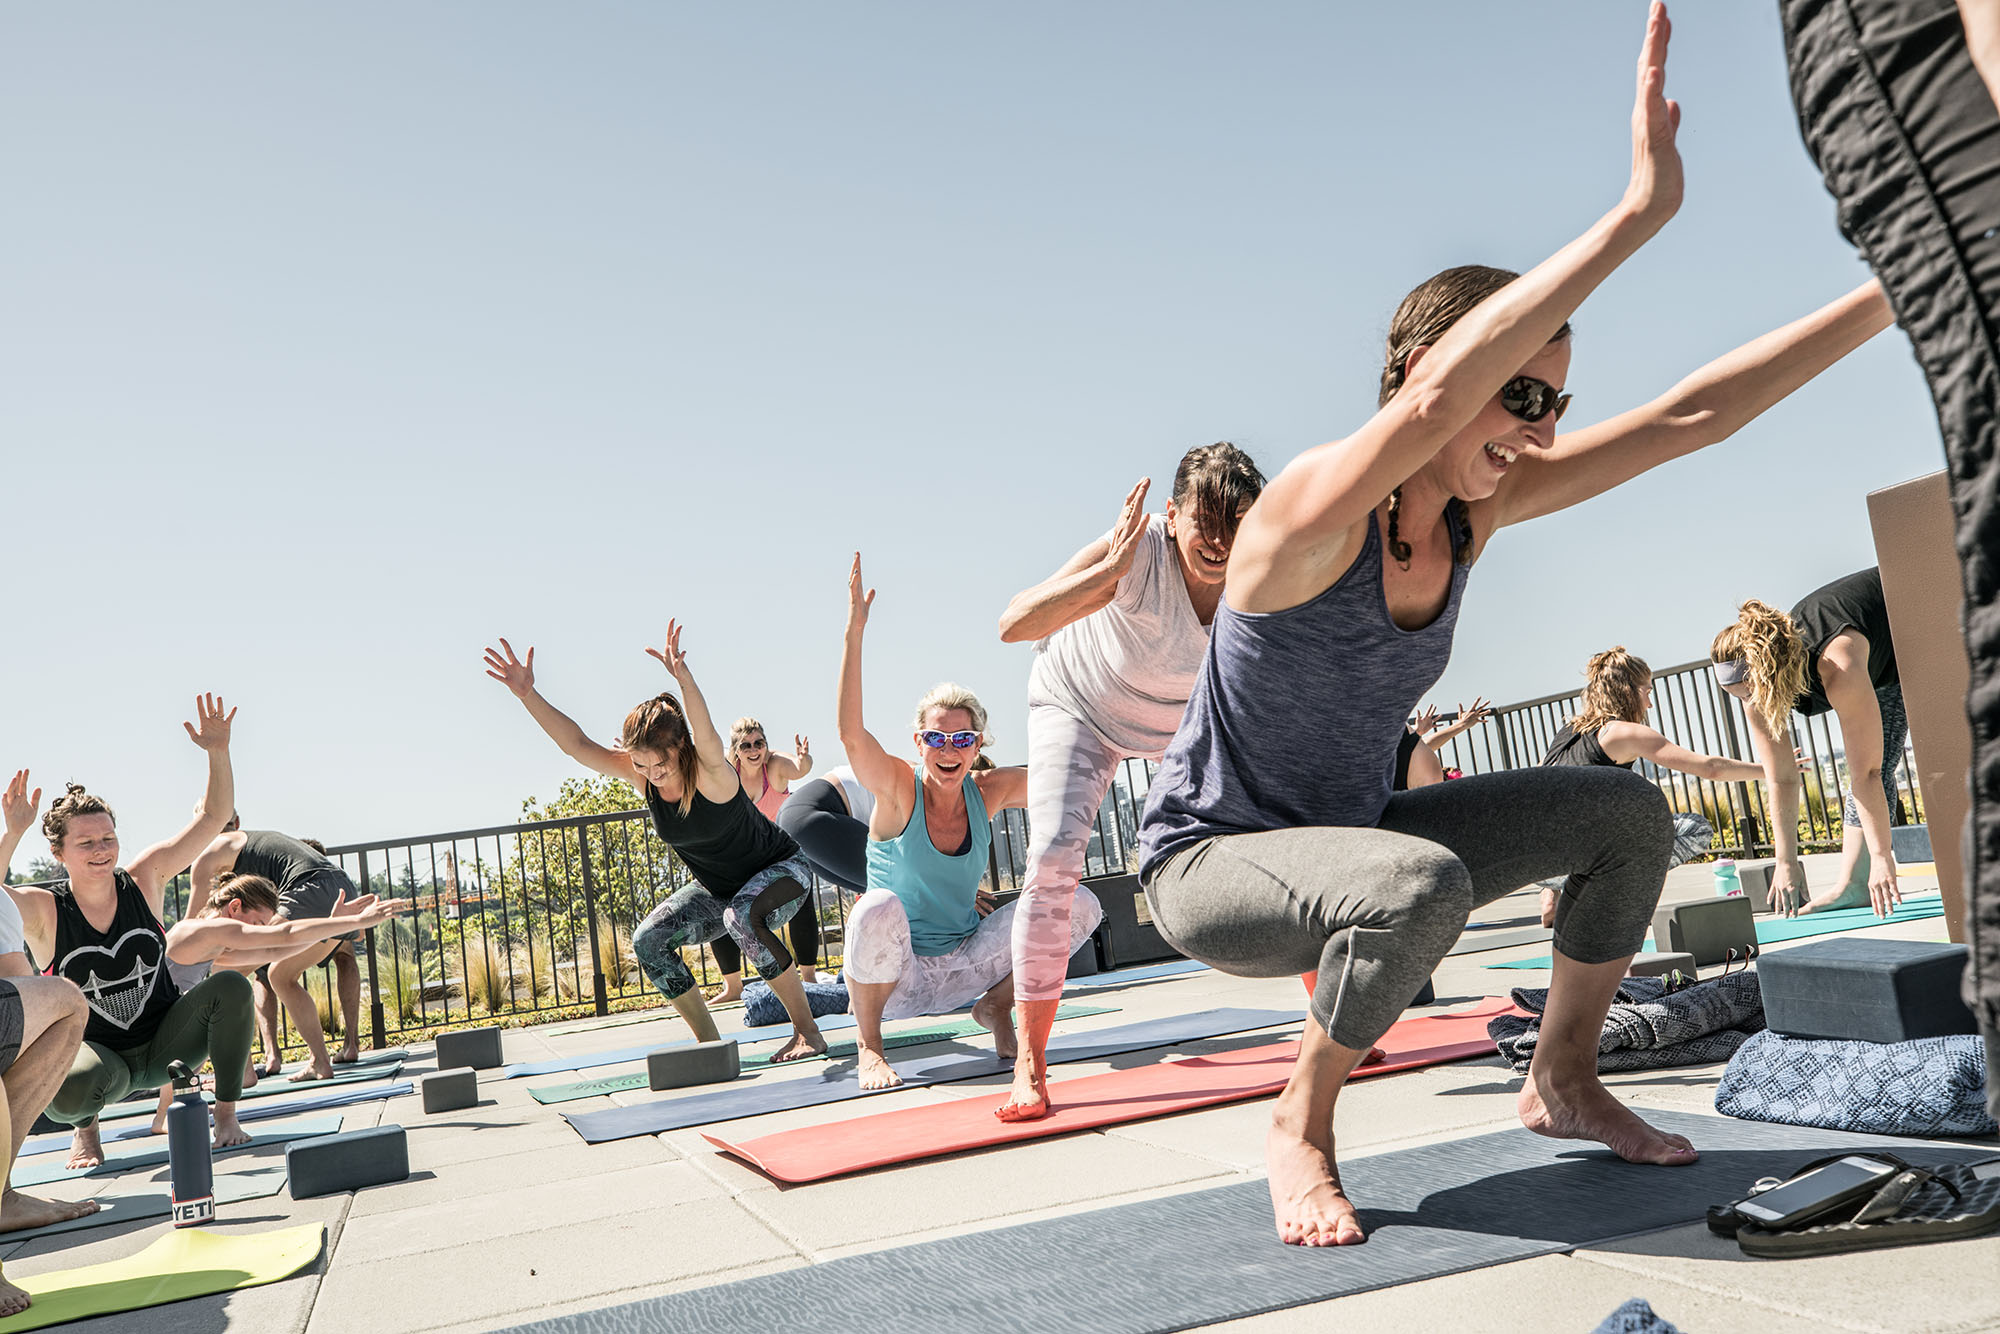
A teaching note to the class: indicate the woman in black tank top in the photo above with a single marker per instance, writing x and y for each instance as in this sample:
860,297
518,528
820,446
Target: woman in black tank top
1832,653
102,930
1611,730
749,876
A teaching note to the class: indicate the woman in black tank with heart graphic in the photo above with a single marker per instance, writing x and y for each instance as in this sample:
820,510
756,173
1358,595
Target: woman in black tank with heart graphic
103,932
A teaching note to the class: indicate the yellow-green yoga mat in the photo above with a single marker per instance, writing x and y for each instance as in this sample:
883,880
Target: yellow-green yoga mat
189,1263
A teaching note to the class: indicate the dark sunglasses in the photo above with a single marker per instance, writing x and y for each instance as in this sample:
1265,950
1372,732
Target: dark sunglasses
1531,399
751,743
958,740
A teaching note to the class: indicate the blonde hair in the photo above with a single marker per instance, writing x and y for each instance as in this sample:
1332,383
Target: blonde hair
1614,690
1773,650
951,695
252,891
743,727
658,724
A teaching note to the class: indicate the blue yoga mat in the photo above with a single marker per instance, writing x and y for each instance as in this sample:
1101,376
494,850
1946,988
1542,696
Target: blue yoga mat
838,1083
1208,1256
1777,930
125,1157
1146,973
255,1111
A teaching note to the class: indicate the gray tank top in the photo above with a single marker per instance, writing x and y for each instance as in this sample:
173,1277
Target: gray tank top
1296,715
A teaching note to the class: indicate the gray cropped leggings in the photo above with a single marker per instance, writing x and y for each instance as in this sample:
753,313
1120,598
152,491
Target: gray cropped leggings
1373,910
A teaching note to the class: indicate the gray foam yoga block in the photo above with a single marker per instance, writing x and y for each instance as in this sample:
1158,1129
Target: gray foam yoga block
1756,878
478,1048
1709,929
449,1090
1866,990
349,1161
1660,965
703,1063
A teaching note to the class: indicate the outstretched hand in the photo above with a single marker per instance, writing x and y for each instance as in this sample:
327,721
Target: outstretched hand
1654,193
210,730
1126,532
802,746
1480,711
510,671
1426,721
858,602
669,654
368,910
19,805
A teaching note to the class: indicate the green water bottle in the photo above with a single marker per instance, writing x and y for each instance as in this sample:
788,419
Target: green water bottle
1727,882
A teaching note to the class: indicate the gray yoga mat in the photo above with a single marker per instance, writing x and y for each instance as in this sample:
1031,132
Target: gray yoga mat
838,1083
230,1188
1213,1255
1475,942
590,1060
256,1111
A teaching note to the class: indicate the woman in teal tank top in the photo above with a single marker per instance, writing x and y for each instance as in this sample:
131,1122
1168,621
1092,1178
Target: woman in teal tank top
916,941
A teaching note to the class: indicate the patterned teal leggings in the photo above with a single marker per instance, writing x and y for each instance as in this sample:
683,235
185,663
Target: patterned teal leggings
751,918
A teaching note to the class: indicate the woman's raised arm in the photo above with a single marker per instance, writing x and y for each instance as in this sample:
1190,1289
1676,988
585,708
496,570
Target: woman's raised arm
518,675
880,772
166,859
1086,582
719,775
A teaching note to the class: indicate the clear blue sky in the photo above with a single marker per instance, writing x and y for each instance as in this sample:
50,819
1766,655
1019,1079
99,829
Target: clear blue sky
338,341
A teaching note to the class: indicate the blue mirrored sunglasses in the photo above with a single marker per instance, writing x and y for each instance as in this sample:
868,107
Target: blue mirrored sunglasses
958,740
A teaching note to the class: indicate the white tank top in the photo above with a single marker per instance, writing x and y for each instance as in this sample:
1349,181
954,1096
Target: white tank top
860,801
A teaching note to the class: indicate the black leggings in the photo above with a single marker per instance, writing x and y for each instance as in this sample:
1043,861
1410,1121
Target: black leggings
1905,132
815,815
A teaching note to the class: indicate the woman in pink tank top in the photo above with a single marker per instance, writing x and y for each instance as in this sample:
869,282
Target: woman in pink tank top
767,779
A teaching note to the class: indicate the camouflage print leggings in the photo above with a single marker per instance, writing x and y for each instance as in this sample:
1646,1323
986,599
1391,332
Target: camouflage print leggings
693,916
1069,771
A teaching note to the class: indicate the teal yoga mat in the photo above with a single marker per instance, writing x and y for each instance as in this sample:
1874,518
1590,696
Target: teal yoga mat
271,1086
1776,930
230,1188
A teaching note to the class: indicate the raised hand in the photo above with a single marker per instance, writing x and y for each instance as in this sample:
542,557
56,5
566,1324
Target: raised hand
669,654
381,911
1426,722
801,746
19,805
1480,711
858,602
210,730
510,671
1126,532
353,907
1654,192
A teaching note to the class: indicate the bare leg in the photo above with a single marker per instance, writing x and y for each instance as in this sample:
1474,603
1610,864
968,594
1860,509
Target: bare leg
286,980
1549,900
1563,1097
228,1130
868,1000
1306,1199
1029,1098
693,1009
347,982
267,1031
995,1011
52,1019
806,1039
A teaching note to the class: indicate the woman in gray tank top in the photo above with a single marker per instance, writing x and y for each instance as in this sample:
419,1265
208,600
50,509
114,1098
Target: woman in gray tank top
1263,857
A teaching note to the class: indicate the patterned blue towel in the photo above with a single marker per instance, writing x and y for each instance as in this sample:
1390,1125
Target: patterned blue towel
761,1005
1927,1086
1635,1317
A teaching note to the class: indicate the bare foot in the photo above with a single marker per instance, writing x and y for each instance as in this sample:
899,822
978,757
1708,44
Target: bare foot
876,1072
801,1046
1856,897
1306,1199
1549,898
13,1300
322,1071
999,1019
348,1054
19,1212
725,993
274,1066
1028,1100
1582,1108
85,1149
229,1132
159,1127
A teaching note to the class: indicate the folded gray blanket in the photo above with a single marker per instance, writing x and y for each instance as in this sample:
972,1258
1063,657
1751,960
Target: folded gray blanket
1648,1029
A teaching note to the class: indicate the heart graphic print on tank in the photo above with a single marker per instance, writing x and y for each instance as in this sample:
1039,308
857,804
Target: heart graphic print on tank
119,980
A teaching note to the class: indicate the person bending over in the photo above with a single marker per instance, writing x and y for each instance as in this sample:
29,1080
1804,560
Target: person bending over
1262,856
916,942
1610,730
309,887
748,876
1833,653
240,925
1119,634
773,776
41,1029
102,931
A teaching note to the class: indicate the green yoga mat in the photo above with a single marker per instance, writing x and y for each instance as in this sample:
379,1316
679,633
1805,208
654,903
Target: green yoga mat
1775,930
230,1188
152,1152
957,1028
270,1086
191,1262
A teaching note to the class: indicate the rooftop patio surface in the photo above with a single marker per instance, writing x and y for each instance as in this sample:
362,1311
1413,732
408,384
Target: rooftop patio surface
508,1216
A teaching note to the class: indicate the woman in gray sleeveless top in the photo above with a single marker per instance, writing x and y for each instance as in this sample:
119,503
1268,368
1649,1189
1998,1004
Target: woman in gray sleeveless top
1264,857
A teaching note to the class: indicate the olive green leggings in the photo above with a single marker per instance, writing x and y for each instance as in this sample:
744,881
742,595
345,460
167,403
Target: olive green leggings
212,1021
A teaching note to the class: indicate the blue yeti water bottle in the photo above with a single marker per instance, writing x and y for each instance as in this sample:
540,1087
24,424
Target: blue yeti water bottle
189,1161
